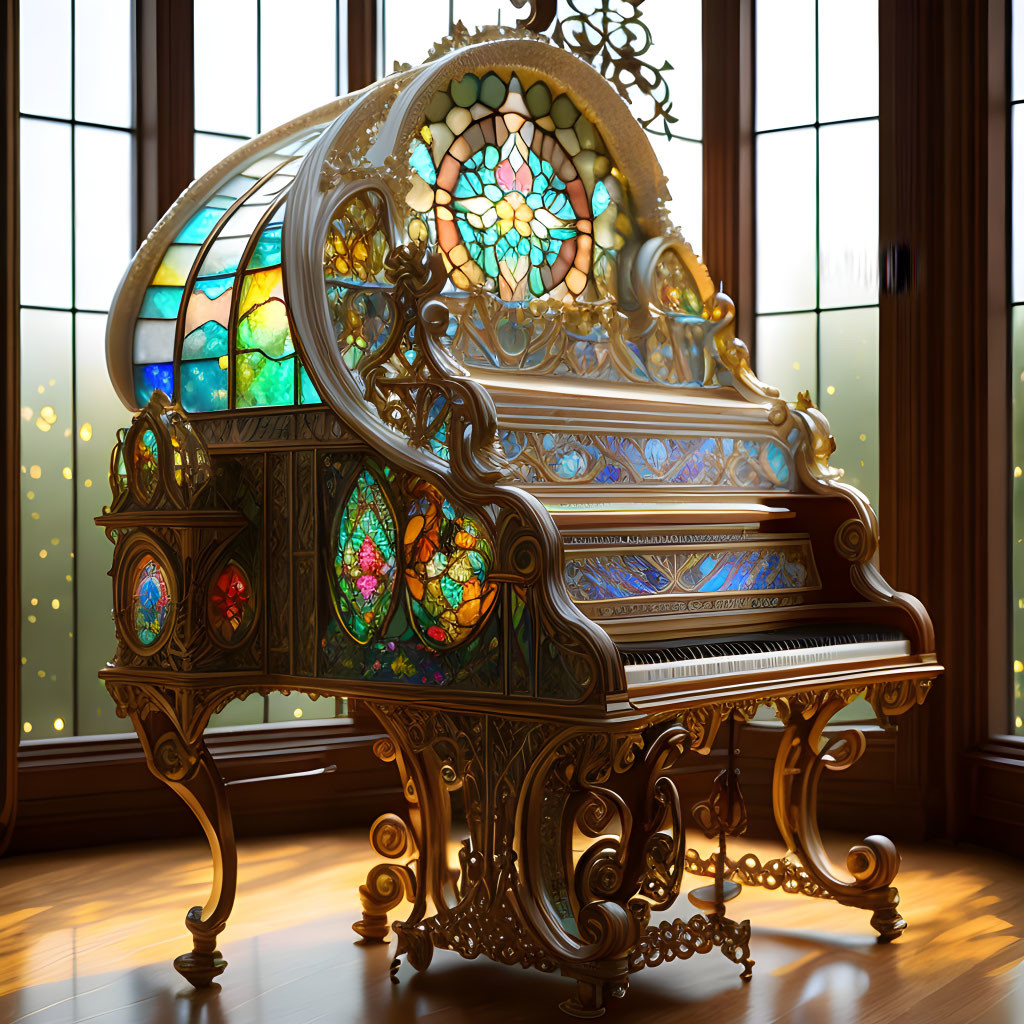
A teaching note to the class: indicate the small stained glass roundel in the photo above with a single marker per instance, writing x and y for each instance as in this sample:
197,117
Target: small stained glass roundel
146,463
231,604
365,559
151,603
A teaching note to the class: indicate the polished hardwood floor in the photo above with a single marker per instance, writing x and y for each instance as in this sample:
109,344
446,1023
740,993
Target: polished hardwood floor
89,936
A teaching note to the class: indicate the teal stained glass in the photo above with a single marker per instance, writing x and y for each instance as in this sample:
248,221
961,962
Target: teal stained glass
366,560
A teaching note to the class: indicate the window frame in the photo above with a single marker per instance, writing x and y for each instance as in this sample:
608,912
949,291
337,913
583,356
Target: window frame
44,769
954,772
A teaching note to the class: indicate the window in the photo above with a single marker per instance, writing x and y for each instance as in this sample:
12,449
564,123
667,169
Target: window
816,138
1017,360
258,64
77,233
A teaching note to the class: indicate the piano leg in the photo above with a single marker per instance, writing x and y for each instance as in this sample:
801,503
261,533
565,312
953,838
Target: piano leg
391,837
189,769
804,753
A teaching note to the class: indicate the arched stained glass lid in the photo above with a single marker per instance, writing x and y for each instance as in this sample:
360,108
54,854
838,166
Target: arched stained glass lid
513,157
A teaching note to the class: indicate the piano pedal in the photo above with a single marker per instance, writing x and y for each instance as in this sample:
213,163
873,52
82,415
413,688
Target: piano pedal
708,898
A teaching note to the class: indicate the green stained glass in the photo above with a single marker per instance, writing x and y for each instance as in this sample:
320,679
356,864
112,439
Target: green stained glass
366,559
146,463
448,557
260,380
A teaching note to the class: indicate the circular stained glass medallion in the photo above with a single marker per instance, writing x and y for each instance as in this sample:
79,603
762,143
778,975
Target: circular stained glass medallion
151,602
512,209
231,604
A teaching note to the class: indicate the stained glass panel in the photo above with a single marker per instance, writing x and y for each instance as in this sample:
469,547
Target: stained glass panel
522,193
230,604
151,602
366,559
448,556
146,463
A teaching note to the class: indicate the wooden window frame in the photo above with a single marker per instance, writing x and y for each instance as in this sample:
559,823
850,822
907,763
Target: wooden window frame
79,790
943,403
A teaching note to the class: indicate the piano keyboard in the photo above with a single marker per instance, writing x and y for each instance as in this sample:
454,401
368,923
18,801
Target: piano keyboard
755,652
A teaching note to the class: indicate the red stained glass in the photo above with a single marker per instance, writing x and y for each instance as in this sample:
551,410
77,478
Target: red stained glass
231,608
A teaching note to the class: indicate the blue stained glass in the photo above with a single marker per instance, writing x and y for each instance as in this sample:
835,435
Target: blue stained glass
204,385
215,287
150,377
763,580
161,302
206,342
267,252
198,229
777,462
422,163
308,392
601,199
655,452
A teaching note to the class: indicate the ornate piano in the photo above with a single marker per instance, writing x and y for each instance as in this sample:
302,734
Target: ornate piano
437,410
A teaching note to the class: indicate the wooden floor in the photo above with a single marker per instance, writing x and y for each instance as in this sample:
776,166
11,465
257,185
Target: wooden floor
90,937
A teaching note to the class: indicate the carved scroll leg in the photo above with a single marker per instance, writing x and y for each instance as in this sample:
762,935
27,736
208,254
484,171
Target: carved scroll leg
803,755
193,775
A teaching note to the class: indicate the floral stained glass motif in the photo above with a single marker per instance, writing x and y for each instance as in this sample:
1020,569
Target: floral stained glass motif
366,559
358,294
230,607
146,457
151,602
448,557
524,198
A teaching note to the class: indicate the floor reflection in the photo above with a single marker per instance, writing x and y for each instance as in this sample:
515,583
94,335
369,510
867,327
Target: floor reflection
90,937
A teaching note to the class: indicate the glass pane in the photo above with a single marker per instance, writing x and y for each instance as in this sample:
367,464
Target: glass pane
675,27
240,712
99,415
103,214
45,213
474,13
408,29
211,149
847,59
849,393
786,223
298,58
683,166
45,57
1017,199
298,706
47,526
225,66
848,211
1017,536
104,46
784,63
787,349
1017,56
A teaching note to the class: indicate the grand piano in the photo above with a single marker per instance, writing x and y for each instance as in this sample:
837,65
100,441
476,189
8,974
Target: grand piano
436,410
